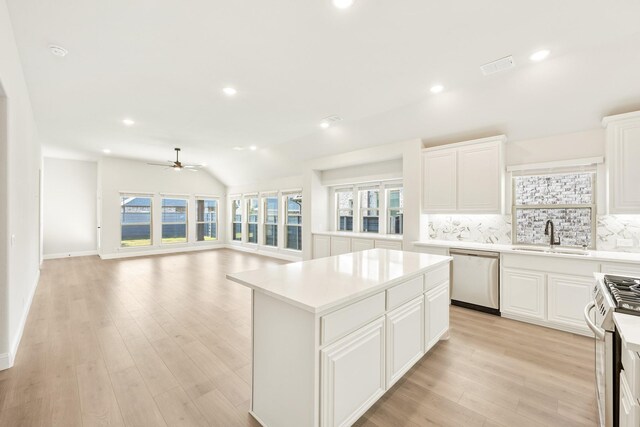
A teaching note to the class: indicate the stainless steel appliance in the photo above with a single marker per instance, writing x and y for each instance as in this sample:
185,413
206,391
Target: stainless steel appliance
475,280
610,294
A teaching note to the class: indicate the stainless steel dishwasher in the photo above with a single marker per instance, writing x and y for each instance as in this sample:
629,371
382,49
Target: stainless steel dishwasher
475,280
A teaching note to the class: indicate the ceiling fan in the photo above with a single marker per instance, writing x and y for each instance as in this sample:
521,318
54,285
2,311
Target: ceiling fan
177,165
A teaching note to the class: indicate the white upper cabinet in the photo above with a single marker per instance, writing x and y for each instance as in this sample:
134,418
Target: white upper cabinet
467,177
623,158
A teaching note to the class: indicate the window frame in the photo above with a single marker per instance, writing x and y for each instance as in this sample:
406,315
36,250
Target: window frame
339,210
248,199
163,223
150,223
593,206
233,218
388,191
216,222
285,212
363,209
265,217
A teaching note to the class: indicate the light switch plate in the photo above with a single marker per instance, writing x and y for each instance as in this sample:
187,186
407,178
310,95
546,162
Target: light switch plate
624,243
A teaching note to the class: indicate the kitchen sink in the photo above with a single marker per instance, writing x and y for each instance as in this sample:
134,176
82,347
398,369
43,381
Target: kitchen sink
579,252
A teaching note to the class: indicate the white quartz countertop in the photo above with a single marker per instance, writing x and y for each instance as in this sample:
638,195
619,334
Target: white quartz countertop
355,235
513,249
321,284
629,328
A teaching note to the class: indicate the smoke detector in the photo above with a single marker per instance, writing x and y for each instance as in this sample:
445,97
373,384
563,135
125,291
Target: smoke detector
58,50
498,65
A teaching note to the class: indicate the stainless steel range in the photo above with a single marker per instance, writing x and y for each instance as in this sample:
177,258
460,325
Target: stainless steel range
610,294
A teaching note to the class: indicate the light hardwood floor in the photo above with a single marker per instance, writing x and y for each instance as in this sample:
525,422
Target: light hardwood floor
165,340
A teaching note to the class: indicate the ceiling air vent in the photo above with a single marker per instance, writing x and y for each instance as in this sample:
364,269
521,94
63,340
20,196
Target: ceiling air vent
499,65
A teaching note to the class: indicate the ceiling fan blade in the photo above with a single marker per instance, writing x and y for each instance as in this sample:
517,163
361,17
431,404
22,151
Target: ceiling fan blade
160,164
192,170
192,166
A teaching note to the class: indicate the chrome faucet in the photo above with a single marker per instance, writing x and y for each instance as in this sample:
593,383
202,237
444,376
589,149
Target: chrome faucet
549,230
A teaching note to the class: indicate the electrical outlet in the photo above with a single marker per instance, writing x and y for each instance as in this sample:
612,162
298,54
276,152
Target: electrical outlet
624,243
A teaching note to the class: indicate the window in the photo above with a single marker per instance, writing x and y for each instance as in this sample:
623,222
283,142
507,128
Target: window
395,210
270,204
236,213
135,221
370,210
293,221
174,220
344,201
567,199
206,220
252,220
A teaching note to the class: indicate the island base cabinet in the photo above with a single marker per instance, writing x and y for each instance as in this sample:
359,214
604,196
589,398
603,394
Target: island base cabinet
405,338
436,314
352,375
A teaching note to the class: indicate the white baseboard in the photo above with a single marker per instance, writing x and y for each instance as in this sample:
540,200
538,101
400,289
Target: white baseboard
70,254
7,359
163,251
268,253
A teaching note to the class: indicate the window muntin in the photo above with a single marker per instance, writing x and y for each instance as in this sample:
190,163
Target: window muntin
395,211
206,220
568,199
370,210
174,220
252,220
344,203
270,206
236,214
293,221
135,221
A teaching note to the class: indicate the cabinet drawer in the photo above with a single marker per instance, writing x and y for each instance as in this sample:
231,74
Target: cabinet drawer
404,292
631,365
436,277
347,319
621,269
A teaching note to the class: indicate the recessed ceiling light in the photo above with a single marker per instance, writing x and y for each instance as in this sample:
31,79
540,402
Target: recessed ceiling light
539,55
229,91
58,50
253,148
343,4
128,122
325,125
437,88
106,151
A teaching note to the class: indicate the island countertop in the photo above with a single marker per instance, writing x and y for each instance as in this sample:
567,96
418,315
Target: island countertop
321,284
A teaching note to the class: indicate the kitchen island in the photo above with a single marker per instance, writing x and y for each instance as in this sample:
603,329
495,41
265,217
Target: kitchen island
331,335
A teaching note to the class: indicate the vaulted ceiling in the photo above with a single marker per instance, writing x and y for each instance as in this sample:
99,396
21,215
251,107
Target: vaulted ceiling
164,64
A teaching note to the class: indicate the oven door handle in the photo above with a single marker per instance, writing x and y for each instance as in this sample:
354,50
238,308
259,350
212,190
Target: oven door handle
598,332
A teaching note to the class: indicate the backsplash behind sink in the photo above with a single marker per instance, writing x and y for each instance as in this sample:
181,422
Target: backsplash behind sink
497,229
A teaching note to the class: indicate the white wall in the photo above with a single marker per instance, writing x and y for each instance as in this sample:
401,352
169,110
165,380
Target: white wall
19,183
69,216
119,175
377,171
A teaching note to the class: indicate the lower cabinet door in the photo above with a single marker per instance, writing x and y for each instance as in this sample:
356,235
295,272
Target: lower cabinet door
436,314
340,245
321,246
405,338
352,375
567,297
523,293
361,244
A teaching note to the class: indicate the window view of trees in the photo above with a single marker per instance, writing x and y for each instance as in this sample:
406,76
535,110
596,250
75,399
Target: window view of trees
293,221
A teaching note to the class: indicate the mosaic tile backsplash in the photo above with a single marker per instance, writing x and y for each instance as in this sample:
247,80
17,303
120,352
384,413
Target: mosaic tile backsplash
497,229
572,226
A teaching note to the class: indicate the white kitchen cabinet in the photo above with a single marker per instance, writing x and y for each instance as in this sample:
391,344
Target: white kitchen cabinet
361,244
340,245
480,178
523,293
629,406
467,177
436,310
321,246
353,375
567,297
405,338
621,269
623,157
439,181
389,244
